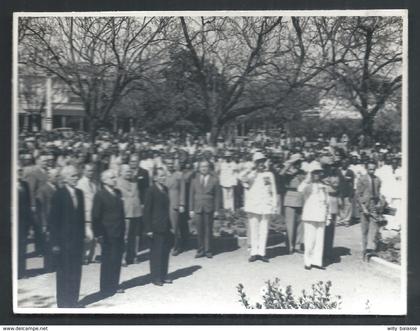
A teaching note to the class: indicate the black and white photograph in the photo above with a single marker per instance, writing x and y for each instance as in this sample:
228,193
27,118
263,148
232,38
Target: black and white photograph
210,162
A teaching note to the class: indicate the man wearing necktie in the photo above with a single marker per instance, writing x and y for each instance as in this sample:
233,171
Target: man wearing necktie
87,185
369,200
204,206
108,222
67,223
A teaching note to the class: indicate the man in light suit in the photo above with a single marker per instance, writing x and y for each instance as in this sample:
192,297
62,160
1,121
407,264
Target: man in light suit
175,184
141,176
36,177
43,208
293,175
108,228
204,206
370,202
133,211
87,185
67,221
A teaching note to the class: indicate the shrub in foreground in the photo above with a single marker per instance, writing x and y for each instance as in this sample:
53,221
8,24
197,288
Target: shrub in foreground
275,296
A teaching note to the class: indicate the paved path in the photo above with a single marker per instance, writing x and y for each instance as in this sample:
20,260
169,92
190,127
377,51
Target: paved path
209,285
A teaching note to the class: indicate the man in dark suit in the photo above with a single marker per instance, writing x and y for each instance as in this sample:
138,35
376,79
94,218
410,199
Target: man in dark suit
346,191
43,208
158,227
23,221
67,223
370,202
108,228
204,206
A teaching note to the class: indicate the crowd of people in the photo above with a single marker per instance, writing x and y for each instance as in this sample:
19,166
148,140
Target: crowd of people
86,201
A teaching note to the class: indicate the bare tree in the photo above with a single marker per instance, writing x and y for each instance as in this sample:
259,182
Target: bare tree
239,58
370,74
99,59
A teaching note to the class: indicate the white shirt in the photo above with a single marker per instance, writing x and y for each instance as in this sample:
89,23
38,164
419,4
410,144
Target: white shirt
73,195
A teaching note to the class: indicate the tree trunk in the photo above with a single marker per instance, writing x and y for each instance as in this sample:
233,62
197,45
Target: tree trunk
214,133
92,130
367,125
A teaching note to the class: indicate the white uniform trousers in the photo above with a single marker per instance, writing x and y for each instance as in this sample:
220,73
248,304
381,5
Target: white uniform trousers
228,199
314,242
258,231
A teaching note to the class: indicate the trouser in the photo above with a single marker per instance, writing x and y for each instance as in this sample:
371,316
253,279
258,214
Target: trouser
314,243
228,198
159,255
49,259
184,228
174,218
22,241
294,227
258,228
90,243
112,251
329,237
130,236
238,192
369,232
204,223
69,274
346,210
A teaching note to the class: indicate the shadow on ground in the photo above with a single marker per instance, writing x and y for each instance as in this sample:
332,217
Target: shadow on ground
38,301
138,281
337,253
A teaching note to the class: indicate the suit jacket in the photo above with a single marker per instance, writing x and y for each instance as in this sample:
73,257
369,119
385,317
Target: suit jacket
43,202
364,190
156,210
24,206
67,223
130,195
108,214
347,183
176,188
205,198
36,178
143,182
89,190
292,197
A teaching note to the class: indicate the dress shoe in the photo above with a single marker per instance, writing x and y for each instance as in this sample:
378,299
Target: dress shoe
308,267
209,255
252,258
318,267
198,255
263,259
158,283
168,281
120,290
